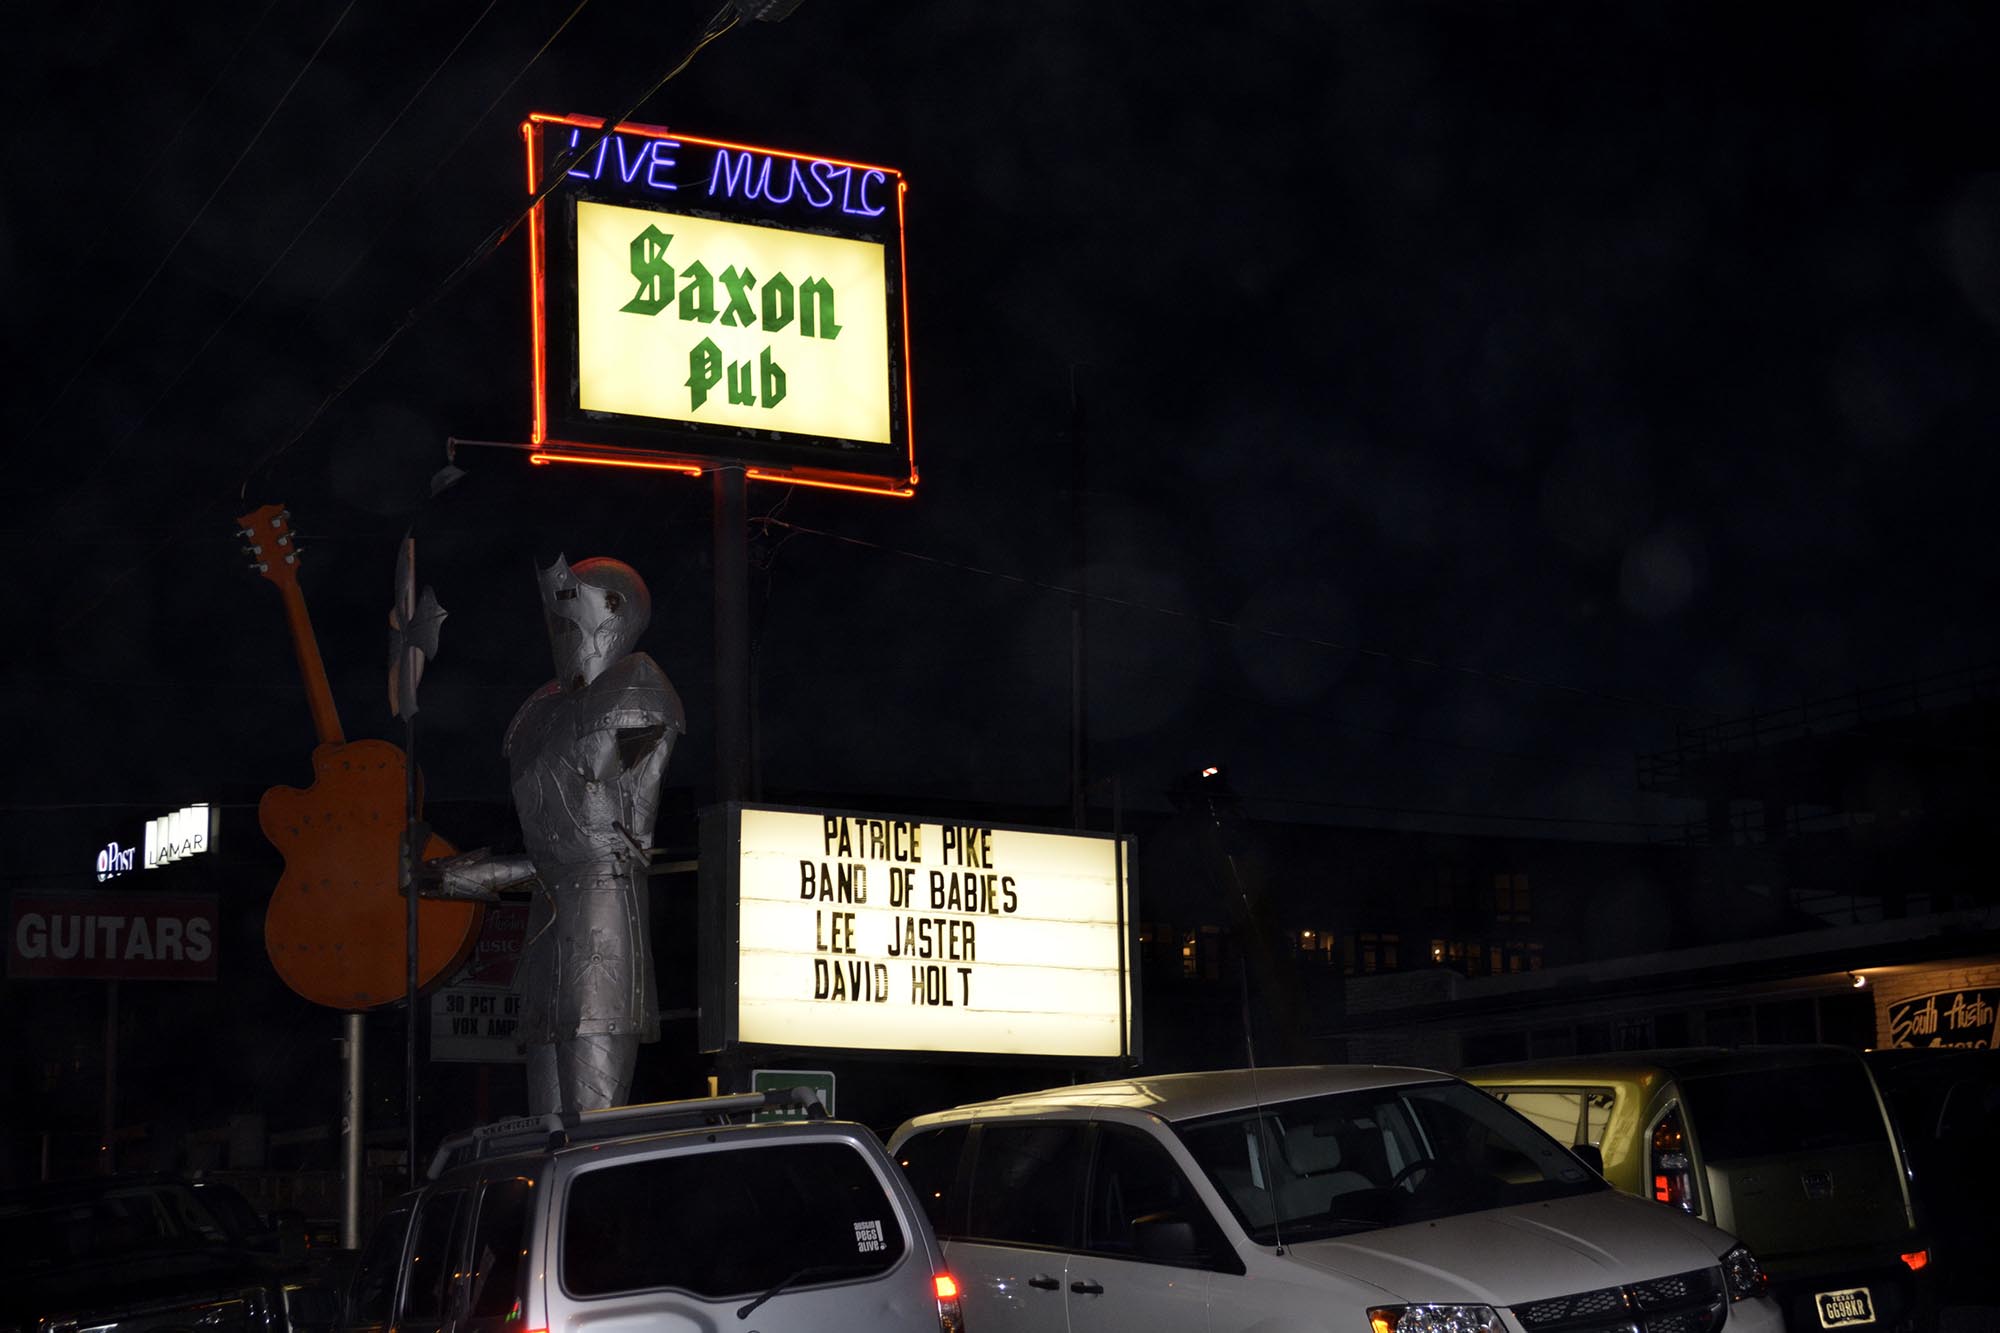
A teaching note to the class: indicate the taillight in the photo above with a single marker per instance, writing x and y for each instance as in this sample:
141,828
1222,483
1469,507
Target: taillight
1917,1260
950,1318
1672,1173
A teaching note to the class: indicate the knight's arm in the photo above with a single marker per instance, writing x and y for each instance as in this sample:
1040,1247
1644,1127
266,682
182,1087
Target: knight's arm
478,876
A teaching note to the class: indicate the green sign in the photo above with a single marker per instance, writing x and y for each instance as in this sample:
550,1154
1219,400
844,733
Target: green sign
777,1080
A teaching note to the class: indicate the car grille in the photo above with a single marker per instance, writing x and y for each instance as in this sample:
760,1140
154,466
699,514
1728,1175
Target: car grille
1684,1303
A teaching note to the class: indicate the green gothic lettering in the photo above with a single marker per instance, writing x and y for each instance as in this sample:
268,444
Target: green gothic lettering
704,372
762,384
775,304
816,309
698,294
738,282
655,274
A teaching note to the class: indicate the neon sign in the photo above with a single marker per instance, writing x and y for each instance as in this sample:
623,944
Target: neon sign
733,174
697,302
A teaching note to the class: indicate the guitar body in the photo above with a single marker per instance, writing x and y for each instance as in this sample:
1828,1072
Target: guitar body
335,925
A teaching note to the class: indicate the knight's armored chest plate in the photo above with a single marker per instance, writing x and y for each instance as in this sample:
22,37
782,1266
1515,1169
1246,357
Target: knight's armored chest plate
585,765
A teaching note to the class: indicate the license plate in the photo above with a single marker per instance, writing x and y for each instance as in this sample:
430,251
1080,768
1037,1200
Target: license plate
1840,1309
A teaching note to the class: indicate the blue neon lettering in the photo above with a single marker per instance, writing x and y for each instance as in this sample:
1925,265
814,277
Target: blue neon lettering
656,160
625,173
731,172
865,210
816,175
597,162
764,183
820,184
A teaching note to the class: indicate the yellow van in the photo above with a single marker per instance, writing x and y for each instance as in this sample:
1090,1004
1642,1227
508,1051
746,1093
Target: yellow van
1789,1148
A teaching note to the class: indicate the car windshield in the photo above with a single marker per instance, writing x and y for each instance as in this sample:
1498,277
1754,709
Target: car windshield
1356,1161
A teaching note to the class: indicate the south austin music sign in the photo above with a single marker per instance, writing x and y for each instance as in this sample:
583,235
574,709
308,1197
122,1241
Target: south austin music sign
838,930
697,302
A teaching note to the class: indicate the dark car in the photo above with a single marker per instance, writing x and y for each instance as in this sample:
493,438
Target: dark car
141,1254
1947,1105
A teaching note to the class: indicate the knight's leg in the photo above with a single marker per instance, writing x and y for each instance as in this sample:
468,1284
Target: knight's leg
597,1070
544,1080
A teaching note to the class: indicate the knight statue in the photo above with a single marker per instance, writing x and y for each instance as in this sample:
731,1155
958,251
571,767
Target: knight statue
585,755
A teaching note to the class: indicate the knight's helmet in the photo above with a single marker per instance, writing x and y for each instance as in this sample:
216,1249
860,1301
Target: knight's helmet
596,610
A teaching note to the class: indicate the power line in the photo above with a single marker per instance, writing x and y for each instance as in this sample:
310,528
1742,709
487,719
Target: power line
174,249
368,247
722,22
1216,622
297,236
725,17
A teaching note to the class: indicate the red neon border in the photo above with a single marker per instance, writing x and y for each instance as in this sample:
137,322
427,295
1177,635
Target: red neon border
829,479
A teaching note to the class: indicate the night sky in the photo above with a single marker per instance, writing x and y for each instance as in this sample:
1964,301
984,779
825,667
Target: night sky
1450,400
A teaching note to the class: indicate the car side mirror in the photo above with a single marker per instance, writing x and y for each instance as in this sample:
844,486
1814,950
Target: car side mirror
1591,1155
1166,1239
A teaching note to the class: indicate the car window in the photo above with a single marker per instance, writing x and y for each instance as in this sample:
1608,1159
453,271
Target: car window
1023,1183
1137,1191
121,1220
428,1286
230,1208
1772,1112
1354,1161
728,1223
930,1160
374,1285
1574,1116
499,1249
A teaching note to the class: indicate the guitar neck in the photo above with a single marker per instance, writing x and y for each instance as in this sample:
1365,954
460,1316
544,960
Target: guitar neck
319,695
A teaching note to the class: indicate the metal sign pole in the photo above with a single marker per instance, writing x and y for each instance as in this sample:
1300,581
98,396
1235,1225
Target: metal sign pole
351,1159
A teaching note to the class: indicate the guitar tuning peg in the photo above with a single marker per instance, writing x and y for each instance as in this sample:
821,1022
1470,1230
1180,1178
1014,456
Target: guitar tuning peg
253,550
285,540
292,558
246,532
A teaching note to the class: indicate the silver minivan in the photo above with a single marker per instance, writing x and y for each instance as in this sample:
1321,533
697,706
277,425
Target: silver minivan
1354,1199
664,1216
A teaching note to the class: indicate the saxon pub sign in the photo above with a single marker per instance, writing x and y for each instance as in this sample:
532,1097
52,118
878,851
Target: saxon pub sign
698,302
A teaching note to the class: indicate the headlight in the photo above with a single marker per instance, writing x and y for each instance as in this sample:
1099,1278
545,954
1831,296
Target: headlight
1742,1273
1434,1319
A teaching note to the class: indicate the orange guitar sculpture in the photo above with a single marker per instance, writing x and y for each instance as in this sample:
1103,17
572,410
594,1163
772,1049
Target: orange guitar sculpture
336,926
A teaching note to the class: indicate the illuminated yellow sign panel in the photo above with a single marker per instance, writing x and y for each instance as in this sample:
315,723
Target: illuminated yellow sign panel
683,318
875,933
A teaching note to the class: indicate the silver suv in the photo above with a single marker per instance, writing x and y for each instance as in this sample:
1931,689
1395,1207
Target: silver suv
670,1215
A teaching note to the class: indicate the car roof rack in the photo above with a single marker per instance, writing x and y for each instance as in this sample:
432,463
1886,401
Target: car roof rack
560,1129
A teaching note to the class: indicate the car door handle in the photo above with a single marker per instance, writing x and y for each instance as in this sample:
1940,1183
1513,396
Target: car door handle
1045,1283
1086,1288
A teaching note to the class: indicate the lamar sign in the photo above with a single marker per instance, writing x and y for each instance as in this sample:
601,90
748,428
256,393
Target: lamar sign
697,302
843,930
111,937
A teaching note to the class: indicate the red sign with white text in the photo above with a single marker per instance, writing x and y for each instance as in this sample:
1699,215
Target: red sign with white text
112,936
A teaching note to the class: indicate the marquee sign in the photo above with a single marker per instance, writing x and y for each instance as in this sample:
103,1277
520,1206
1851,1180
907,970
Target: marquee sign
697,302
827,929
